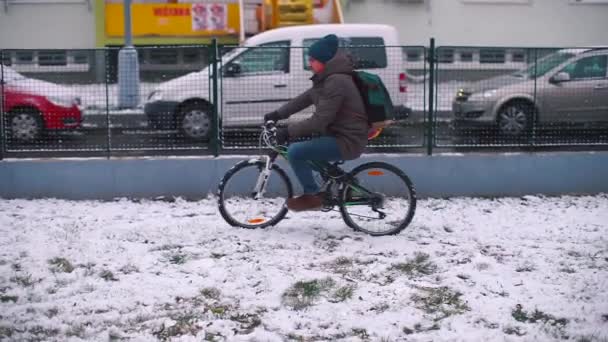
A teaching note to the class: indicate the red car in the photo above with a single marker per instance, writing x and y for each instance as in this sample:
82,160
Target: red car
32,106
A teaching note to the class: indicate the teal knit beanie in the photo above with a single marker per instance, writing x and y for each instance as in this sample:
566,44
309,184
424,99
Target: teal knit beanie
324,49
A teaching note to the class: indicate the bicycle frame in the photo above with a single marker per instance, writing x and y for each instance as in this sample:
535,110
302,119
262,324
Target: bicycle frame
342,179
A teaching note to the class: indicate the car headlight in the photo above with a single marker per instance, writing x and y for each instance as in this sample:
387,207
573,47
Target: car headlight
484,95
62,101
156,95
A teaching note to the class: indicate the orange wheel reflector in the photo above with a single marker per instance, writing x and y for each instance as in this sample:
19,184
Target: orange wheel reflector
256,220
375,173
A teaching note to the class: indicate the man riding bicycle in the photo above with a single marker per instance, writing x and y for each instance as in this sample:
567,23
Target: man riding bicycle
339,119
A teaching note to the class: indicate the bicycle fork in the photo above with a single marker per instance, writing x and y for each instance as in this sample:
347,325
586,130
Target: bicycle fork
260,185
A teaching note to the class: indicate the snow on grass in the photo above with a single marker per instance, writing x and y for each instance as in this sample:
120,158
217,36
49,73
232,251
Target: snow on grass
512,269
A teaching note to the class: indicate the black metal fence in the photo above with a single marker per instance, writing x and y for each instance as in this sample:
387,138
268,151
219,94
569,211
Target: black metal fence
210,99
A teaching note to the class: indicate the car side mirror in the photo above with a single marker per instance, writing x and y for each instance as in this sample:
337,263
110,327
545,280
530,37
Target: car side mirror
560,77
232,69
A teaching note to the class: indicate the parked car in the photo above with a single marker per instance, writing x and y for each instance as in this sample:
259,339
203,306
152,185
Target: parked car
269,70
32,106
569,86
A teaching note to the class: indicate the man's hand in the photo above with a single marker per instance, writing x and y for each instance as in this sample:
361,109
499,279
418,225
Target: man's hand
272,116
282,135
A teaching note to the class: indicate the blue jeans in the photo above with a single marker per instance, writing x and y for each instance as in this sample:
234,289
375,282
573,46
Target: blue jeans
319,149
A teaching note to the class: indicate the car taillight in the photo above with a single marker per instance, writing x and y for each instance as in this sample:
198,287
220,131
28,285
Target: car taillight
402,83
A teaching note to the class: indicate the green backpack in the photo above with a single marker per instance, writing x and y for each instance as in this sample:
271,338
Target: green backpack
378,104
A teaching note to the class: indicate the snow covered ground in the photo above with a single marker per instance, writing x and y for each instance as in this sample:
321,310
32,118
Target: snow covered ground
505,269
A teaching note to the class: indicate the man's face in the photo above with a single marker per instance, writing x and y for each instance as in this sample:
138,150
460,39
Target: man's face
316,66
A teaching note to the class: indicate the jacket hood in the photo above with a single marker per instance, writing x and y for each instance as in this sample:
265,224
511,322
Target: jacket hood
340,64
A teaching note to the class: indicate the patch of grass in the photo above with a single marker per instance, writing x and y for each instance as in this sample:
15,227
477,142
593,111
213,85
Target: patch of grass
361,333
303,293
217,255
107,275
218,310
514,331
185,324
16,267
209,336
89,268
418,328
248,322
567,270
165,247
211,293
128,269
6,331
76,331
591,338
177,258
380,307
525,268
41,332
440,301
52,312
25,280
341,265
61,265
536,316
418,266
343,293
6,299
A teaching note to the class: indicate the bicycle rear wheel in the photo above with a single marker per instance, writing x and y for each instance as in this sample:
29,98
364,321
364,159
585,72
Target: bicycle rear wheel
236,198
380,201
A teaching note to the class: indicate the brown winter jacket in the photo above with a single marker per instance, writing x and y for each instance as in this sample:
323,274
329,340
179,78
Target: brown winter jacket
340,111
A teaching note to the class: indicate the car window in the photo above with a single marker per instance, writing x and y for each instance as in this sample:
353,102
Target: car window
588,67
545,64
270,57
366,52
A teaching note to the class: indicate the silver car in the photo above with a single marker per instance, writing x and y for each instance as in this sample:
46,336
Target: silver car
568,86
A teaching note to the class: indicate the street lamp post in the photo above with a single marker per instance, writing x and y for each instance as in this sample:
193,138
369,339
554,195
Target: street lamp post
128,66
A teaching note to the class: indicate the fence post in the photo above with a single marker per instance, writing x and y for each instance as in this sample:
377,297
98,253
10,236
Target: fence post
108,121
215,140
430,123
2,136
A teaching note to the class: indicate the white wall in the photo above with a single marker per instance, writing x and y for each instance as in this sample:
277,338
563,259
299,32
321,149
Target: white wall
47,26
550,23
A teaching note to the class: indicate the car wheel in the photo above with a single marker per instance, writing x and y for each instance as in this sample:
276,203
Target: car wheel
515,119
195,121
25,125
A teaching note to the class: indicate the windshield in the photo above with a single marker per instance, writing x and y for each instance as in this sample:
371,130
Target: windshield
545,64
10,75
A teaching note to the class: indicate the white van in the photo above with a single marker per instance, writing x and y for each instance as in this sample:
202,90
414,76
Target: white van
269,70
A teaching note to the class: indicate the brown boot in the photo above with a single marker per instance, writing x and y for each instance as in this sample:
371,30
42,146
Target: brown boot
305,202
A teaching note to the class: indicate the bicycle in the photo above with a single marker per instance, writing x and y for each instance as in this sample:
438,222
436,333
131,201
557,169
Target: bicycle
362,202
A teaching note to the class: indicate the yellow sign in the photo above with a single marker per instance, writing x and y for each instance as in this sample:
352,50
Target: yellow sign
174,20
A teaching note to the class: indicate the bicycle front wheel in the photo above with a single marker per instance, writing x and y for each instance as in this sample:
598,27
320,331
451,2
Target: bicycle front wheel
380,200
238,203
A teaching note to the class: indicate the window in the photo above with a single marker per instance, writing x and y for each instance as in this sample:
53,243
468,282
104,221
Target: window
366,52
489,56
80,57
518,56
414,55
192,55
271,57
24,57
466,56
52,58
5,58
163,56
445,55
586,68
